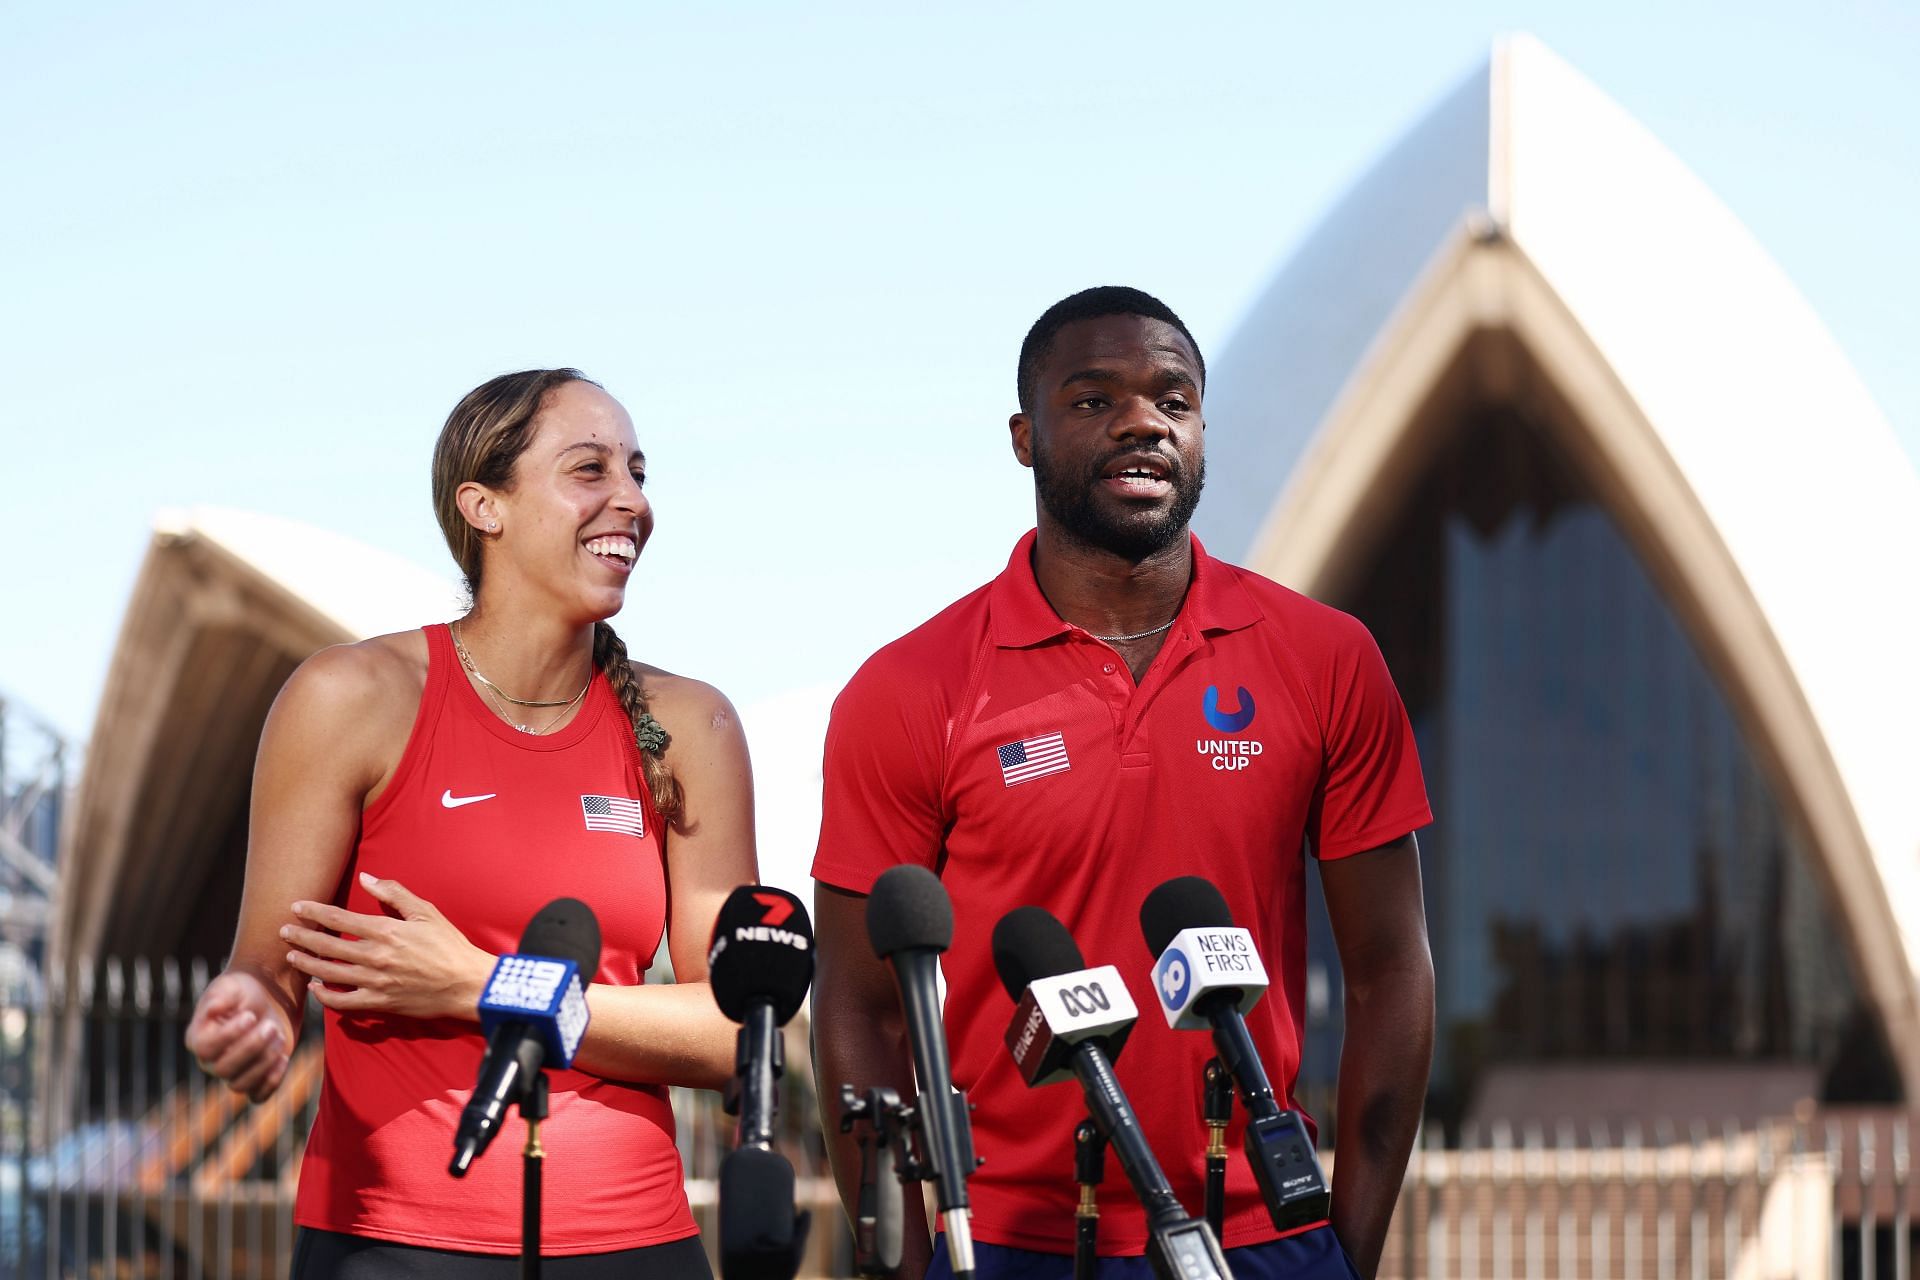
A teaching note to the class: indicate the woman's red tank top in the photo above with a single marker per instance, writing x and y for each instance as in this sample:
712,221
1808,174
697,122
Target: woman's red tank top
490,824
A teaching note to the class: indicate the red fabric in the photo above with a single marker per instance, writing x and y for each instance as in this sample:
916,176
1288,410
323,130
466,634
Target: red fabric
913,774
376,1164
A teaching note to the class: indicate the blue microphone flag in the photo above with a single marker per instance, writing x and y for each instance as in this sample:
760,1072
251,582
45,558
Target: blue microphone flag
544,992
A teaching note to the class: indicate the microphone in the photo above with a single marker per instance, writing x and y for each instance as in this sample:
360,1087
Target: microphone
910,922
1070,1018
533,1012
1208,974
760,965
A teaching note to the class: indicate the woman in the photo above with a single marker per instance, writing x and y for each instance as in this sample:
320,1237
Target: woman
418,797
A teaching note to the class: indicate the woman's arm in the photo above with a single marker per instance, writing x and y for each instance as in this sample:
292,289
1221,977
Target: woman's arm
321,754
412,961
676,1034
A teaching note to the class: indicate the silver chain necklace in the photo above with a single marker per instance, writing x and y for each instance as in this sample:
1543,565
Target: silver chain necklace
1138,635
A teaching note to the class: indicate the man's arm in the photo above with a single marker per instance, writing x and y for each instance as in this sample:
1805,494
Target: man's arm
1380,927
859,1038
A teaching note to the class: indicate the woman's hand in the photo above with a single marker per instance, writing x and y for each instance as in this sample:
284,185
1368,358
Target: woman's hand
412,962
239,1033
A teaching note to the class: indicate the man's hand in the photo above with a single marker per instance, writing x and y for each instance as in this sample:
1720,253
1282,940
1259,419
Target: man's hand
412,962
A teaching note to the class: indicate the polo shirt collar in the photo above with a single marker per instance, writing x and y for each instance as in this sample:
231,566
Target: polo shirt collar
1020,616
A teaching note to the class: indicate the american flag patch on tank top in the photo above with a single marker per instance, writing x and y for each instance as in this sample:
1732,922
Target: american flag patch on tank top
613,813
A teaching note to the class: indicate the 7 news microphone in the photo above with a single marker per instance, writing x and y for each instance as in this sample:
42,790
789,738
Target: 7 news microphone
909,923
1072,1020
1208,974
760,965
533,1012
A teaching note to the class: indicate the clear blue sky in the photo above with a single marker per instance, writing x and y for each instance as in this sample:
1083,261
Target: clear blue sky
253,254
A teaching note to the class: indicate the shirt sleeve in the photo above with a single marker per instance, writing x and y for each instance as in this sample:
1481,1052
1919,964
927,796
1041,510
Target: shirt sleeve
1371,789
880,803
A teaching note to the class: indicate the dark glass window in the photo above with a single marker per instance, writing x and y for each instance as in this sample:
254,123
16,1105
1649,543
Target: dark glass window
1609,876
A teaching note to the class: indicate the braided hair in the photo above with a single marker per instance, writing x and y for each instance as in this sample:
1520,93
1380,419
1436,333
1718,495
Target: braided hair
610,654
481,442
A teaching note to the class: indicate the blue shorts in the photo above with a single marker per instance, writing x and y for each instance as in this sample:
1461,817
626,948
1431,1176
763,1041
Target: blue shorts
1311,1255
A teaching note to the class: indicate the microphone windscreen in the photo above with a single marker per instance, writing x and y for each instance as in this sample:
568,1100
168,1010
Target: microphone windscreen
1188,902
1029,943
757,1221
762,950
909,909
565,929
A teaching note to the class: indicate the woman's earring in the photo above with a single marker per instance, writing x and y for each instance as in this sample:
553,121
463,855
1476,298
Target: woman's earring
493,526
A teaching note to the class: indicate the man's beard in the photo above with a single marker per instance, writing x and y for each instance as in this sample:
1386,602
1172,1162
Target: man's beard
1132,536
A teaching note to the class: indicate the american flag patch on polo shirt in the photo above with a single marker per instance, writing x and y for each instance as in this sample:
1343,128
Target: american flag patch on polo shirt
1032,758
613,813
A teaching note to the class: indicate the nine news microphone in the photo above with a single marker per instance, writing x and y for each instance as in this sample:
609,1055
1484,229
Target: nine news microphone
760,966
1208,974
533,1012
1070,1018
910,922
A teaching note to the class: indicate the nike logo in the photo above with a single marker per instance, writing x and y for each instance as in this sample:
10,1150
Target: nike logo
453,801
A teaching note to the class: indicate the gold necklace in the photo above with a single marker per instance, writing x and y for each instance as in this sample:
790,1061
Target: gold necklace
502,697
558,716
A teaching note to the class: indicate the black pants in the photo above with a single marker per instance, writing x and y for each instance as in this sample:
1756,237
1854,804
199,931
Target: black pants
328,1255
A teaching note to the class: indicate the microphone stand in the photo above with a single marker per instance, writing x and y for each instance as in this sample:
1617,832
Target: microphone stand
882,1121
889,1133
1217,1107
1089,1170
533,1159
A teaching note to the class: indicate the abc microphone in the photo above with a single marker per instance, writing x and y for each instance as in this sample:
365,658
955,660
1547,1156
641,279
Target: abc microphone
1208,974
910,922
1070,1019
760,966
533,1012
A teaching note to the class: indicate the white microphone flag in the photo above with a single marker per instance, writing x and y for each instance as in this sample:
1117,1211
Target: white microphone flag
1199,961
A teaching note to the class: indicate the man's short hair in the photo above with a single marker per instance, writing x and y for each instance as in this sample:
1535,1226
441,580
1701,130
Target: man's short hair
1090,304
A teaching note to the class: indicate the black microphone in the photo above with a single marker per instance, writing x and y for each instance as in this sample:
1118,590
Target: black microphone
760,966
1208,973
534,1011
1072,1018
910,922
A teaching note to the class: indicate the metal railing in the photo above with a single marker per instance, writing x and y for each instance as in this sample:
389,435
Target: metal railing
36,764
118,1158
1812,1196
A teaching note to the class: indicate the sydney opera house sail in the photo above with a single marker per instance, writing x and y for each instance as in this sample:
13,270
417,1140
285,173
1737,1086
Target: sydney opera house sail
1645,559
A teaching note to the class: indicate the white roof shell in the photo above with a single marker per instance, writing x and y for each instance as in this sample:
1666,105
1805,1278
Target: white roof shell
1724,426
225,605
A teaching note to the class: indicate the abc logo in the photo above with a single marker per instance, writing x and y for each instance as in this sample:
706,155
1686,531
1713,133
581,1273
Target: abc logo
1174,976
1084,999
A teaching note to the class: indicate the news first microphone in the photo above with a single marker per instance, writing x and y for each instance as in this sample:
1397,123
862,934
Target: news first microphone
533,1012
1207,976
1070,1019
760,965
910,922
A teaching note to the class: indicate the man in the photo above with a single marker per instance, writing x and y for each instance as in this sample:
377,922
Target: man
1061,738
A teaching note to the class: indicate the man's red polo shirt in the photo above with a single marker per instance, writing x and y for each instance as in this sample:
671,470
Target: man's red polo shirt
1013,754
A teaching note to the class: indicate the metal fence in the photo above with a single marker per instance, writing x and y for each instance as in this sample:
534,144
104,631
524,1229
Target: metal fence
119,1159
